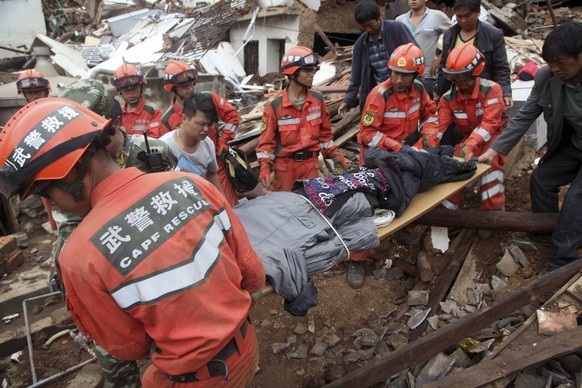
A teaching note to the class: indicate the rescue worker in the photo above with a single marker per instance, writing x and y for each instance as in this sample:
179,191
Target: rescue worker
557,93
128,270
127,151
399,109
295,126
190,143
33,85
138,115
180,78
476,108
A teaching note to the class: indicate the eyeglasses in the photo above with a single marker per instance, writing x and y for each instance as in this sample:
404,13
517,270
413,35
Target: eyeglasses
42,187
458,76
185,77
32,83
128,82
204,125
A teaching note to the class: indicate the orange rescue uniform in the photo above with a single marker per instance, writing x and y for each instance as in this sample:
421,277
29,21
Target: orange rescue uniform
391,116
146,117
167,269
480,118
291,138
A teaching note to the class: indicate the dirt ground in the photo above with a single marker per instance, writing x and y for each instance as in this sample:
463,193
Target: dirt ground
286,341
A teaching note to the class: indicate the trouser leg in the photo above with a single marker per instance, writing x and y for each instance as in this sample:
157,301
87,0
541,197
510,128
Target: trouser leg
117,373
559,170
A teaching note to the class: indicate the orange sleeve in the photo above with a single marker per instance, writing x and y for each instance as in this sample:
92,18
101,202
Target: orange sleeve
493,110
268,137
228,114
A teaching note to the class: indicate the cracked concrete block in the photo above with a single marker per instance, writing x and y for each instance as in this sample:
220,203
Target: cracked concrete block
519,256
507,264
418,298
435,369
550,323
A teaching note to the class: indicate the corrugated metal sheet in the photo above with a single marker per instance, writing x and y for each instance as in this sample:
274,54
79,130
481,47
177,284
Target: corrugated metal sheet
206,31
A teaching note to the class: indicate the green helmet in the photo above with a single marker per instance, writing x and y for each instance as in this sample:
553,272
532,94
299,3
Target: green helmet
91,94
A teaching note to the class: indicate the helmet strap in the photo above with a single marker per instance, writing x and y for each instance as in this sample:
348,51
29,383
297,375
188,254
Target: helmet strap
295,77
76,187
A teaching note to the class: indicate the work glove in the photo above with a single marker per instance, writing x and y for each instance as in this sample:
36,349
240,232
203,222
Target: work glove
265,176
468,149
427,141
337,156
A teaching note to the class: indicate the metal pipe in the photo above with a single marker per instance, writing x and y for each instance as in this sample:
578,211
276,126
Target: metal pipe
60,374
28,334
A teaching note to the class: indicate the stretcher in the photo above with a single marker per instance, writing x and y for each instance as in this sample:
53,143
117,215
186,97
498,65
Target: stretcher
421,204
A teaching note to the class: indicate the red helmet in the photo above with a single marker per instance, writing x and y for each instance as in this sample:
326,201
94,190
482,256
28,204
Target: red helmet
407,59
178,73
128,76
463,62
298,57
32,81
43,141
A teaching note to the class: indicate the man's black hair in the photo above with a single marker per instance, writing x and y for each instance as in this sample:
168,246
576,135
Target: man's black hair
200,102
471,5
564,40
367,10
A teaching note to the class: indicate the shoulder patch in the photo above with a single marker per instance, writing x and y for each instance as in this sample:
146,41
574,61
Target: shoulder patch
370,115
264,122
317,94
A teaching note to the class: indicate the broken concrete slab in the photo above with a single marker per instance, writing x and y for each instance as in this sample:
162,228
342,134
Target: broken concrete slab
418,297
434,369
551,323
507,265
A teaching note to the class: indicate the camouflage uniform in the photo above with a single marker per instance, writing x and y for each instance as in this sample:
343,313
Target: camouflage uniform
92,94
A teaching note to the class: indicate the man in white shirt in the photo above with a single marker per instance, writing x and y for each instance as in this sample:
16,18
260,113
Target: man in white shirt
426,26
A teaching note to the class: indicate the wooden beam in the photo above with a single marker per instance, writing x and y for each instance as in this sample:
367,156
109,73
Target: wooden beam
439,286
494,220
432,344
520,357
325,39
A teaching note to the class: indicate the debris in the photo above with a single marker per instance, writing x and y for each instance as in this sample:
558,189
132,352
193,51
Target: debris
279,347
311,324
551,323
425,272
318,349
300,329
416,319
435,368
417,298
497,283
16,356
507,265
8,318
299,353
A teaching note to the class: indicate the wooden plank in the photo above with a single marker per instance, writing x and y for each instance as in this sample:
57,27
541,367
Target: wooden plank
519,358
437,341
467,279
348,135
441,283
422,203
532,318
494,220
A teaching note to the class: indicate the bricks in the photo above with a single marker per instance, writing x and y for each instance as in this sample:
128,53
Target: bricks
14,261
7,245
10,256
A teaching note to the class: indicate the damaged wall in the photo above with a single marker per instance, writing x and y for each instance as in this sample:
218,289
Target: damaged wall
20,21
269,32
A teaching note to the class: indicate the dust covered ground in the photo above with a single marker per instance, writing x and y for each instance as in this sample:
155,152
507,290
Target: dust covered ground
291,354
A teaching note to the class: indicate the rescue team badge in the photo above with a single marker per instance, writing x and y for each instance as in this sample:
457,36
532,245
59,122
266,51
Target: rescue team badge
132,236
401,62
286,117
370,115
264,122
